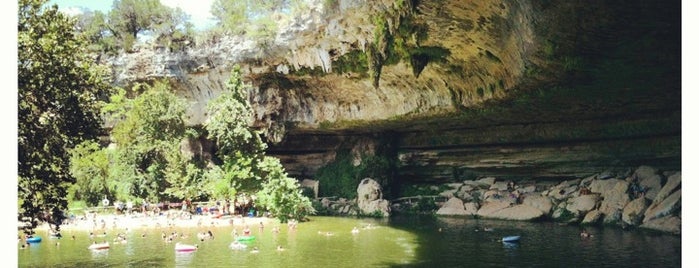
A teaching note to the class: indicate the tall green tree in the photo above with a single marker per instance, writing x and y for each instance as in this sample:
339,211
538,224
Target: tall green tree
245,167
174,31
131,17
246,16
230,117
188,174
120,28
238,145
147,133
89,165
94,25
128,18
280,194
58,92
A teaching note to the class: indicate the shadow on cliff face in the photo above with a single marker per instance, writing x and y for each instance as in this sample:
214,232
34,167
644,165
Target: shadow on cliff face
617,106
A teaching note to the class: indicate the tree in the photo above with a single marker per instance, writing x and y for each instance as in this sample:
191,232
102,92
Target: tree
245,167
58,92
229,118
89,165
238,146
188,175
148,132
131,17
120,28
95,28
243,16
232,15
175,31
280,194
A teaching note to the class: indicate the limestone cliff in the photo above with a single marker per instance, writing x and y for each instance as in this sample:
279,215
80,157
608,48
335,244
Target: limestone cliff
485,48
456,88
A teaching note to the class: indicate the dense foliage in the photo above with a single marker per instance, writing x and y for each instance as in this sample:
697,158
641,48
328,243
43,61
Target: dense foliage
58,92
245,167
281,194
341,177
89,164
151,160
148,135
240,16
256,19
239,147
121,27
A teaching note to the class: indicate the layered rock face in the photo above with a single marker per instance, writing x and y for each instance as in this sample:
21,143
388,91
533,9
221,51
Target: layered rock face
514,89
484,47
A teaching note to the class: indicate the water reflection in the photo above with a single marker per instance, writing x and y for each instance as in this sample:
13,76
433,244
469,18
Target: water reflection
510,245
99,253
463,242
402,242
183,259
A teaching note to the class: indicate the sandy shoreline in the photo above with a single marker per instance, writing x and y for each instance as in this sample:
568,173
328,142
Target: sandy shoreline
173,218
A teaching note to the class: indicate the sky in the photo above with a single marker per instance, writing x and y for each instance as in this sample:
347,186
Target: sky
197,9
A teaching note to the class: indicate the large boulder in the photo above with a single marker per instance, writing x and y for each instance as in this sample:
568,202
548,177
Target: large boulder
582,204
564,193
448,193
539,202
560,213
453,206
491,207
592,217
614,200
528,189
633,212
668,206
517,213
506,211
486,181
500,186
588,180
495,195
471,208
466,188
377,206
670,224
370,198
465,193
603,186
672,183
612,217
649,178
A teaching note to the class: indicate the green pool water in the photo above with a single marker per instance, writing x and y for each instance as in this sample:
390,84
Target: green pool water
395,242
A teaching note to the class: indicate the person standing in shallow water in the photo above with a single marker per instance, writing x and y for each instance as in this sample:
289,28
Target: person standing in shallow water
246,231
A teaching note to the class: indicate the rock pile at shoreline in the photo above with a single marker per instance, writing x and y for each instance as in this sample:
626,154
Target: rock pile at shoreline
646,198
